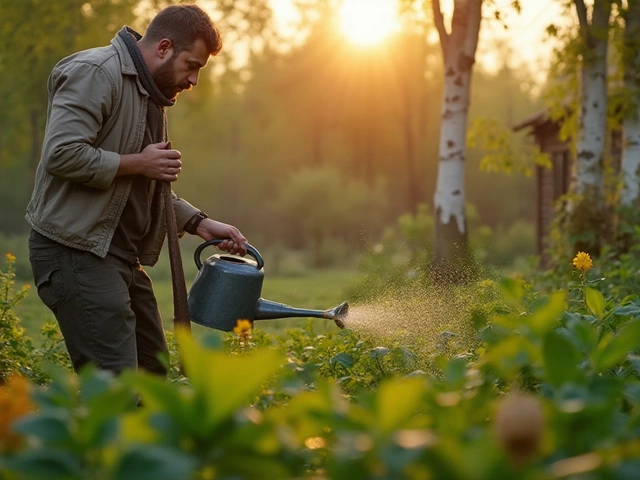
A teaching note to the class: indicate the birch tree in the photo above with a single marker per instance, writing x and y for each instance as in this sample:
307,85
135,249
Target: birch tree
630,161
592,108
579,101
458,52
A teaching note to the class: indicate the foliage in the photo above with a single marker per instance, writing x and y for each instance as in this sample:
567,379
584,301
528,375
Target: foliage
502,245
580,223
15,346
404,255
503,152
550,392
318,206
18,354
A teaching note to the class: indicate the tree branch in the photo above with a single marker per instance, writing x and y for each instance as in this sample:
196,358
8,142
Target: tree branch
581,10
474,18
438,19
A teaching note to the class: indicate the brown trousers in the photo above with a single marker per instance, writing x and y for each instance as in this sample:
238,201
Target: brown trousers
106,308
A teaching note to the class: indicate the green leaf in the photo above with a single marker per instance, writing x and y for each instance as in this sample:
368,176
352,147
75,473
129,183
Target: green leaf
223,383
634,360
581,332
595,301
455,372
613,349
397,401
343,359
512,289
100,424
630,310
45,464
156,393
94,382
48,427
548,313
561,359
155,462
378,352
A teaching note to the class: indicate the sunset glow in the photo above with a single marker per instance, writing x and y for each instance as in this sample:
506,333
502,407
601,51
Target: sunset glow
366,22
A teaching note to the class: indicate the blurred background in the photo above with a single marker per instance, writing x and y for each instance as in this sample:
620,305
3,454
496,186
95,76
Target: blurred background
315,131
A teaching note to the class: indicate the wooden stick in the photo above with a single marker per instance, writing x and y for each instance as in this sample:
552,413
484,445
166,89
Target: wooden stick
181,316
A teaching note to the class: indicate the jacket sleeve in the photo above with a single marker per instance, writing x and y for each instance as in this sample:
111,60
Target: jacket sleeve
184,211
82,98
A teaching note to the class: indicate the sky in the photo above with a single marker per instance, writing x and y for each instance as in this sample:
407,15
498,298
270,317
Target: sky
525,33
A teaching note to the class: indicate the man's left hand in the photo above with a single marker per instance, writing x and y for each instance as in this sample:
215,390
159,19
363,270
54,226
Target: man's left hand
234,240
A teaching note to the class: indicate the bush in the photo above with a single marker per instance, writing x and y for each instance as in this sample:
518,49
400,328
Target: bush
18,354
549,389
506,244
16,348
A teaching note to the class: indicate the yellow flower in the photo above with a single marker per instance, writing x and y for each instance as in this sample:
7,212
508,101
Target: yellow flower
582,261
11,258
242,328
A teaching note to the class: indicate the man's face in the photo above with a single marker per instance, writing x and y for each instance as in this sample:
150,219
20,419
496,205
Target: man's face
180,71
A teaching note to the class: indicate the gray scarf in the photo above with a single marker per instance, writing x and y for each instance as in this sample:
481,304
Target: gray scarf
155,111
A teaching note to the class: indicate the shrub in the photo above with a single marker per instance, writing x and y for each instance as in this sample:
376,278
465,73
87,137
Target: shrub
18,354
16,347
550,390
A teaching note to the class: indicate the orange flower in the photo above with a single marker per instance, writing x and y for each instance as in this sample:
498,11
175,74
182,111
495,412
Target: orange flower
15,402
242,328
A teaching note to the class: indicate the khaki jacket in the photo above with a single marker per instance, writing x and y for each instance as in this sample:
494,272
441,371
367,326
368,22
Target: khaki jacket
97,110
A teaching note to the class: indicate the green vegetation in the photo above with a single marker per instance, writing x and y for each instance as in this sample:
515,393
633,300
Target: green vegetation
548,388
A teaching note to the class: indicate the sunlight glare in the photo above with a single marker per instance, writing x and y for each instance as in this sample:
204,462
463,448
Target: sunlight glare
366,22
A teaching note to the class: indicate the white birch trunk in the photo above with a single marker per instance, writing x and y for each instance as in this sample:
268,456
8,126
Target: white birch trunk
458,49
630,161
449,198
590,146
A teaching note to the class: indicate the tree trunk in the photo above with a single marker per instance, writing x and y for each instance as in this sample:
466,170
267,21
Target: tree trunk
630,161
589,222
458,49
590,146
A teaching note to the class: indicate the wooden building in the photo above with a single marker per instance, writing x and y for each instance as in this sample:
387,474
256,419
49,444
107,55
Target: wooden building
553,182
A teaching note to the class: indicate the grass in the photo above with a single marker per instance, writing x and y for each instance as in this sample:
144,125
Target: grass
318,289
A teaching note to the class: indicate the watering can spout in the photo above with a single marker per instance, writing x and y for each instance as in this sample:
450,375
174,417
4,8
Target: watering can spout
268,310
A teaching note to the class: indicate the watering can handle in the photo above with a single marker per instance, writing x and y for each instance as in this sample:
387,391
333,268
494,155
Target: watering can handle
251,250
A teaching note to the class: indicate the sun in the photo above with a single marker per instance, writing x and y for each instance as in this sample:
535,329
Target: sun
366,22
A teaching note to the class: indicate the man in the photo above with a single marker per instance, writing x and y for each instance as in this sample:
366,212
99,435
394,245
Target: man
96,211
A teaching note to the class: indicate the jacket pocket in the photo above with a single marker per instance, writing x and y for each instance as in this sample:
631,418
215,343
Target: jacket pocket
48,279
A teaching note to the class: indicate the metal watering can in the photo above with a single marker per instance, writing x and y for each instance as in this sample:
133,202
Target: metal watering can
228,288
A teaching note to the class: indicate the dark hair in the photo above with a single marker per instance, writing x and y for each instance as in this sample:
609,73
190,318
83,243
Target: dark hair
183,25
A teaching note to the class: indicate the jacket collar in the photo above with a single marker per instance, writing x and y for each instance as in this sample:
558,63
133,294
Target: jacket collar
126,62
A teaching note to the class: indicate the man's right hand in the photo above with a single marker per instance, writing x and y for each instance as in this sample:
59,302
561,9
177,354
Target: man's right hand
154,162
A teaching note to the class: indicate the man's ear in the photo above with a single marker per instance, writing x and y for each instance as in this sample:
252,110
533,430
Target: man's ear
164,48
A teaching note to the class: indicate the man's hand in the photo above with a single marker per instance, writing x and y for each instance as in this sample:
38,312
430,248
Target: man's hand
235,243
154,162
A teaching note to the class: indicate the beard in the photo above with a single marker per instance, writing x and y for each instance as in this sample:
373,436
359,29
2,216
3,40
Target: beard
165,79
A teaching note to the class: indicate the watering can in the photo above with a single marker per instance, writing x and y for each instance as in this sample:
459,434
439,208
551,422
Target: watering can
228,288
